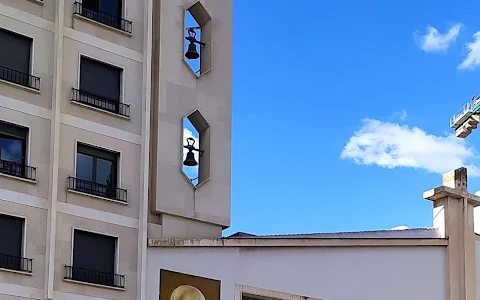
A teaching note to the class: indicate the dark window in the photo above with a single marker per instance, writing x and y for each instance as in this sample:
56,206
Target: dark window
96,171
13,148
15,59
93,258
108,12
17,55
101,81
11,241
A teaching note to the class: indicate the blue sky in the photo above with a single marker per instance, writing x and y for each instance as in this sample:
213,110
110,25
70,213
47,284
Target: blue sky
314,80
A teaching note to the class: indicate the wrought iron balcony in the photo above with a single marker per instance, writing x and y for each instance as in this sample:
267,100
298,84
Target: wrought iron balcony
18,170
16,263
95,277
102,103
97,189
20,78
102,17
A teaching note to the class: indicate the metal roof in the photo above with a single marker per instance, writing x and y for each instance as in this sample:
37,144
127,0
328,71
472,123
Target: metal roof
387,234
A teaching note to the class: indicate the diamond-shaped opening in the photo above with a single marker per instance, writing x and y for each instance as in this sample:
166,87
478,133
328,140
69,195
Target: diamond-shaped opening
196,161
197,45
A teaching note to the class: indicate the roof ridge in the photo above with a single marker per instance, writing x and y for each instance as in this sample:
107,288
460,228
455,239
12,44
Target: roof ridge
246,234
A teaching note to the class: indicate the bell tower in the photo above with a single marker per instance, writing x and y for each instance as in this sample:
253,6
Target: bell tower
190,128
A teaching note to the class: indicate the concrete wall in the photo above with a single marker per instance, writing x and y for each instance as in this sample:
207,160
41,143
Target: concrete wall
179,92
477,263
324,273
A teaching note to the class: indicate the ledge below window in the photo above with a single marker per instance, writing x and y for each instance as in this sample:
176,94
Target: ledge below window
94,284
16,271
19,86
14,264
39,2
100,104
96,197
99,110
86,188
18,171
73,274
80,17
19,79
18,178
88,15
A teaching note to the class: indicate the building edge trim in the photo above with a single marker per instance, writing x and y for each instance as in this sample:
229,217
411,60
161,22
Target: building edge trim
292,242
100,129
22,291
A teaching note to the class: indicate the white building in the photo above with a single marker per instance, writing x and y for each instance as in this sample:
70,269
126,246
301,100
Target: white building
436,263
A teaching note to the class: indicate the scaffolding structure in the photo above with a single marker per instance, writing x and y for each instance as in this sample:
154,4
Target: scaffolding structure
467,118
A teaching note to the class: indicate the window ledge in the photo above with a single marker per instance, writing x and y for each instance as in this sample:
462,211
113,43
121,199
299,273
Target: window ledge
100,110
95,285
16,271
78,16
97,197
26,88
39,2
18,178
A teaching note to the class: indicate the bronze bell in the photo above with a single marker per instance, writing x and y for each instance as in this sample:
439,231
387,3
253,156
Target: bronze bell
192,52
190,159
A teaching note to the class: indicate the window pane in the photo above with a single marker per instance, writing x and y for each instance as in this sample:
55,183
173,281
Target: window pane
11,232
84,167
96,253
11,150
105,172
100,79
17,55
90,4
112,7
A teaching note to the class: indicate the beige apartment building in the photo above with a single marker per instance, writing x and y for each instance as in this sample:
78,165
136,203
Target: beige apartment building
93,99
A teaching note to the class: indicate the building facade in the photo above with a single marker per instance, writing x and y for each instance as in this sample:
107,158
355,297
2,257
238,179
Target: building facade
93,95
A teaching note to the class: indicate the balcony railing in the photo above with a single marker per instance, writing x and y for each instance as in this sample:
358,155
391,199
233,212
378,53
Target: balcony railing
97,189
95,277
18,170
19,78
102,103
16,263
102,17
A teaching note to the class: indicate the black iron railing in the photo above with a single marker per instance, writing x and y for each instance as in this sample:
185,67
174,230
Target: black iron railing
19,78
96,277
99,102
18,170
102,17
97,189
16,263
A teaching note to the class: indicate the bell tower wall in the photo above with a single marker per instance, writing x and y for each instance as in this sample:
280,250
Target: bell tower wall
178,207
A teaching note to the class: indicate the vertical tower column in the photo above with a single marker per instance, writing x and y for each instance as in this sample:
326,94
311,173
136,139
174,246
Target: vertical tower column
453,216
54,150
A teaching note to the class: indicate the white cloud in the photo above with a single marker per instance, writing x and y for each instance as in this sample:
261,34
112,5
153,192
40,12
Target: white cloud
472,59
477,193
391,145
434,41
